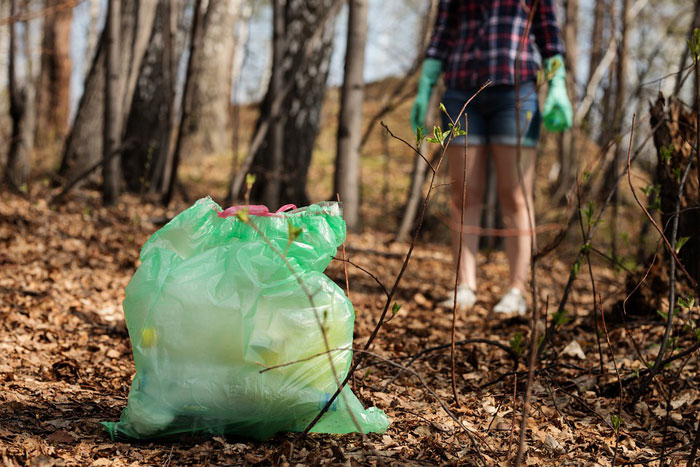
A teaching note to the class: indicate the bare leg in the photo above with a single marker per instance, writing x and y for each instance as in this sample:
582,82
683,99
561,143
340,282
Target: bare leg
476,166
515,197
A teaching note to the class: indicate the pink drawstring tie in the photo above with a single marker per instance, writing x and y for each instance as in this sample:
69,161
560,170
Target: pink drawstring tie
255,210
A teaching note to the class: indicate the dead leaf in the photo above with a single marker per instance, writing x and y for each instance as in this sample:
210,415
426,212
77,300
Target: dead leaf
573,349
60,436
420,299
683,399
552,444
422,430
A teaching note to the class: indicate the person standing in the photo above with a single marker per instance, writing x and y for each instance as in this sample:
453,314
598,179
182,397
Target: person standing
501,41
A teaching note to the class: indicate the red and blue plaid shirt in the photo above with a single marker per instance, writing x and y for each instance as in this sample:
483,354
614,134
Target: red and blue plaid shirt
478,40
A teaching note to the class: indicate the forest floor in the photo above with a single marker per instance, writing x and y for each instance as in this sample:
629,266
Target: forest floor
66,362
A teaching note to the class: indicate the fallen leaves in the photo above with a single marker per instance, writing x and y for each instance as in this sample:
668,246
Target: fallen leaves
66,359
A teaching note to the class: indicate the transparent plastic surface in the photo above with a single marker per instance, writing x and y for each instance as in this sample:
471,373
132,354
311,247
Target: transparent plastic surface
213,302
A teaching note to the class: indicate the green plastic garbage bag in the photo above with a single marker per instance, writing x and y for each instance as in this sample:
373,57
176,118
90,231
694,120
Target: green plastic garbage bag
214,302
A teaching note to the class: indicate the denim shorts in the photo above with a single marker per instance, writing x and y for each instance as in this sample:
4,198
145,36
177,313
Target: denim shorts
492,115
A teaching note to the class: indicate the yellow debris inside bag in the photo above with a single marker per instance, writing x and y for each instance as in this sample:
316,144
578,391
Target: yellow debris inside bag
149,337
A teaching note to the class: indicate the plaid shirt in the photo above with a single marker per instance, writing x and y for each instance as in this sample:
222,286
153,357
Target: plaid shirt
478,40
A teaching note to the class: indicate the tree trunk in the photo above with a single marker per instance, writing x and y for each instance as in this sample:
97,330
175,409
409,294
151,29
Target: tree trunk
567,142
621,72
596,53
83,146
5,130
677,135
206,127
619,114
170,59
607,112
151,119
347,166
304,67
54,82
271,193
571,42
170,175
112,104
674,137
92,36
21,111
240,57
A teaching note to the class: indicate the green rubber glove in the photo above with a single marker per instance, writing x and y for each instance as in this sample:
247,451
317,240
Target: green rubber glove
558,114
429,76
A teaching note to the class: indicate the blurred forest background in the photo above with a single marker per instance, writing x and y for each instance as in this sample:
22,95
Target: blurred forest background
117,114
203,91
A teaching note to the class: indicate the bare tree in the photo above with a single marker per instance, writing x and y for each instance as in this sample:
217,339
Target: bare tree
571,41
54,82
618,109
596,41
170,175
152,116
92,35
206,126
567,141
21,110
242,52
271,193
170,59
304,70
83,147
347,165
112,104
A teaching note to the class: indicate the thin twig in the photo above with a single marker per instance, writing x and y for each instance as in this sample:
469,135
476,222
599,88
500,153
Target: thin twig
671,249
461,234
654,459
694,450
397,282
590,272
665,362
417,356
530,378
619,382
266,368
459,262
440,401
309,296
345,264
533,238
69,186
386,128
512,418
589,237
402,271
376,279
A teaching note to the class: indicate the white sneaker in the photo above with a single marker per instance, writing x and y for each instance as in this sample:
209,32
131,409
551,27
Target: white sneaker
466,297
513,302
